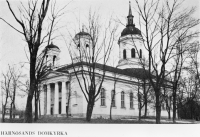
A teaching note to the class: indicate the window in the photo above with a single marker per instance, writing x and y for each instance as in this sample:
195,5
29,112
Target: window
133,53
54,60
124,54
103,97
87,46
122,99
131,100
140,53
130,21
78,45
113,98
46,58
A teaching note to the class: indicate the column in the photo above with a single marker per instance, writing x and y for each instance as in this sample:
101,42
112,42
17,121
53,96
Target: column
56,100
63,110
48,99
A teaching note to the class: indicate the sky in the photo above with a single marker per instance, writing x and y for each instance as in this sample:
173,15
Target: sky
12,43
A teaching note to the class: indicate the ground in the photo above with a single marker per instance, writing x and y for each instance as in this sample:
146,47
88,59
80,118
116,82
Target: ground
103,121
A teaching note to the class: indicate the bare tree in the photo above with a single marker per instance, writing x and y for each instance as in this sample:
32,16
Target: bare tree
40,69
86,55
16,75
5,89
143,95
32,18
161,35
178,64
194,62
113,95
190,97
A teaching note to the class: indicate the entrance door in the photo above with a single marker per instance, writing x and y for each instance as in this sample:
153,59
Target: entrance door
51,110
59,107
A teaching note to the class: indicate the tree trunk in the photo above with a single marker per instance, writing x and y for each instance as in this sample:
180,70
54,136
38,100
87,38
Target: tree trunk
28,111
145,99
111,111
11,108
168,107
111,104
145,106
169,115
90,106
39,108
140,111
174,107
3,113
139,103
158,107
13,100
4,107
36,103
14,110
36,108
69,97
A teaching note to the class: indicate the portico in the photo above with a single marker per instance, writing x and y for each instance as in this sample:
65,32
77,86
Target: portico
55,89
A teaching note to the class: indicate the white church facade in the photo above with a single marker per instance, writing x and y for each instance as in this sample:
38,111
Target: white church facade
61,93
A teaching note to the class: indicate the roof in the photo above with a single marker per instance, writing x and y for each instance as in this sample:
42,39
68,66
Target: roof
133,72
82,33
51,46
130,29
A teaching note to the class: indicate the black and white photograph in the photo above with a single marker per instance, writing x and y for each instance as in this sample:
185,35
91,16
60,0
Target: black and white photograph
85,68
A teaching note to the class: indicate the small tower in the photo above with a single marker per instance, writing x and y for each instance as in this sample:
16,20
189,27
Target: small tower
52,57
130,45
81,49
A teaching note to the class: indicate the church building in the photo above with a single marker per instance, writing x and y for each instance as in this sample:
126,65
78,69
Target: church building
61,93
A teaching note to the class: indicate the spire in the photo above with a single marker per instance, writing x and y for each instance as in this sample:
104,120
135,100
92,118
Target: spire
130,16
82,28
130,11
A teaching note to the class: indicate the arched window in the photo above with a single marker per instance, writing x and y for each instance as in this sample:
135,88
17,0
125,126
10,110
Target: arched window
124,54
78,45
140,53
113,98
103,97
133,53
122,99
131,100
87,46
46,58
54,60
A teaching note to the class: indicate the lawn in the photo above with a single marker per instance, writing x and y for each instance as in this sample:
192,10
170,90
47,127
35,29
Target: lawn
94,121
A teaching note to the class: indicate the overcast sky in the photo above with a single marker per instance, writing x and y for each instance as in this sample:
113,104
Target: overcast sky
13,46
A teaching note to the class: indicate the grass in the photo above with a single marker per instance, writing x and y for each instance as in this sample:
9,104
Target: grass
93,121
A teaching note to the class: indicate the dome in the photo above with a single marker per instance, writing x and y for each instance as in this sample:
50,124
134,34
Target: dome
51,46
82,33
131,30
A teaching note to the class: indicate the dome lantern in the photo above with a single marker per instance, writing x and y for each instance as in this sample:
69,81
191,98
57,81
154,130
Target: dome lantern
130,27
